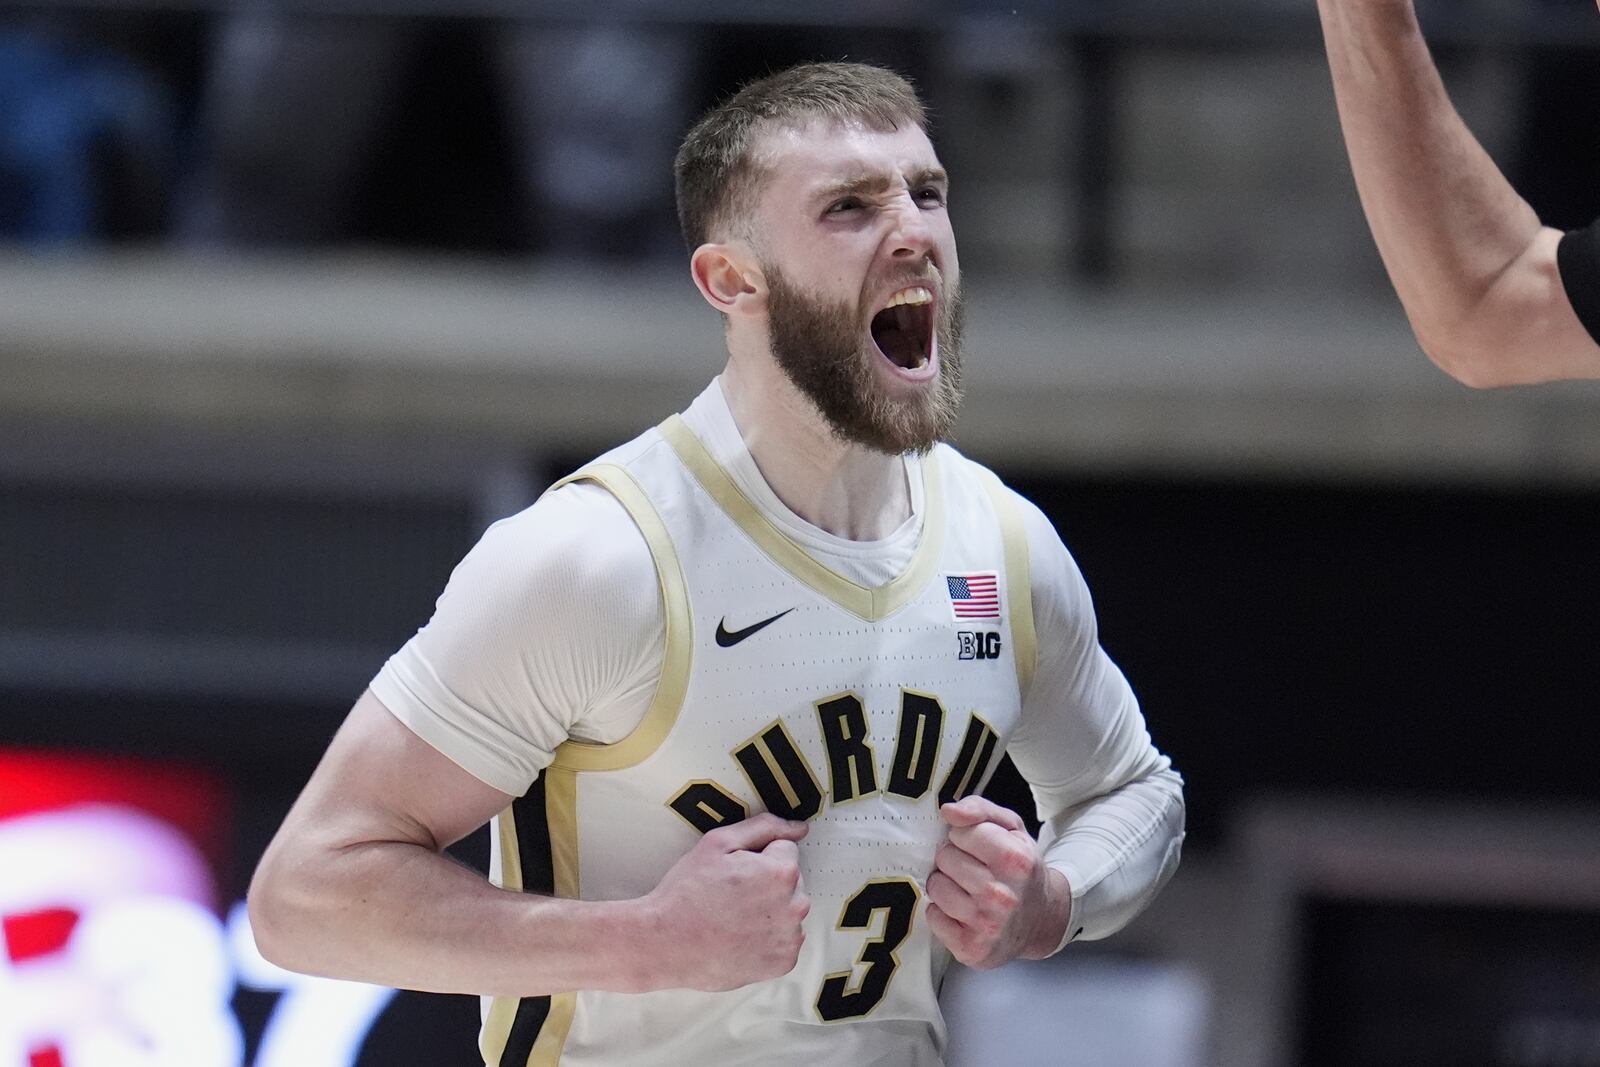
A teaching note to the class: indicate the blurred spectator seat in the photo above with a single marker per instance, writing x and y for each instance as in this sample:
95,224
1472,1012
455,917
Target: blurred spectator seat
77,121
1075,1011
298,108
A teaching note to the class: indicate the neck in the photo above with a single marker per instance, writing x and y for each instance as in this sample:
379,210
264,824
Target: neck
849,490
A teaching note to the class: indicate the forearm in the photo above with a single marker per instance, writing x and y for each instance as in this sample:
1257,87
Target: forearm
399,914
1447,223
1116,851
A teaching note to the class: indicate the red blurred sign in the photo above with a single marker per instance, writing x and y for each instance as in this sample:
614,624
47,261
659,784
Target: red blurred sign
112,948
90,847
186,797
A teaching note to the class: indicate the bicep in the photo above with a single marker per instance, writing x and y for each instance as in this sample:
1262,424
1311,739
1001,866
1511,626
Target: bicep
379,781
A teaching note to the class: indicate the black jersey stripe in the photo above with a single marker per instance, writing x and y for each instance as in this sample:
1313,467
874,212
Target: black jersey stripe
531,1014
531,824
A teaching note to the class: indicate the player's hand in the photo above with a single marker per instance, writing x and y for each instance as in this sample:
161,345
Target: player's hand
991,898
729,912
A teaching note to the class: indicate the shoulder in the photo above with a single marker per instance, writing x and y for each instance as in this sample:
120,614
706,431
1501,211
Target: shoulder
576,540
1060,593
960,471
1055,582
964,480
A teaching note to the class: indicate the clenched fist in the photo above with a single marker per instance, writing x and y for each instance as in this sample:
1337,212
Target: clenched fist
729,912
990,897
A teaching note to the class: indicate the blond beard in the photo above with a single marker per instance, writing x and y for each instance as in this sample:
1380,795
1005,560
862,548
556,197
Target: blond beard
819,347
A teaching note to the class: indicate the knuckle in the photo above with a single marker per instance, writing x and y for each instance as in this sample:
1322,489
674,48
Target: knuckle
1018,862
1000,897
1010,868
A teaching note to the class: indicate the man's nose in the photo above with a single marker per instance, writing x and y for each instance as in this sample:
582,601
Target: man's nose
912,236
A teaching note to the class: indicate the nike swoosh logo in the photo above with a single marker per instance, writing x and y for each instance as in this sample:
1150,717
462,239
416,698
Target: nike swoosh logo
728,638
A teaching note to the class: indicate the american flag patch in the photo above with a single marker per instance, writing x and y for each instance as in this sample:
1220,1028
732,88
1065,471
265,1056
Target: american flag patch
975,595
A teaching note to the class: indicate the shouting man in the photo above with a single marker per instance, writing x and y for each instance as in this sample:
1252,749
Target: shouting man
730,692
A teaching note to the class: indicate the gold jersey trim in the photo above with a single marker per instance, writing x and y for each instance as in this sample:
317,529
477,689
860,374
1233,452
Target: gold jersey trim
561,808
1019,579
561,793
871,604
561,821
502,1010
675,660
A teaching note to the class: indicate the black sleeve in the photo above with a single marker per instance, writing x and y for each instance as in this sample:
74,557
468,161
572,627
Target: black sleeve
1578,257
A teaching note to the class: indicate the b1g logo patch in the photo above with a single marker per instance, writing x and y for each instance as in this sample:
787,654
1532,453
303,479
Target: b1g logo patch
978,644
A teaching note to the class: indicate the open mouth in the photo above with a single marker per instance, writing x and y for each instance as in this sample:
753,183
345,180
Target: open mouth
903,330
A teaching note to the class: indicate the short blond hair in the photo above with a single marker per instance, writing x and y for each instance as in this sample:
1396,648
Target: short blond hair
715,173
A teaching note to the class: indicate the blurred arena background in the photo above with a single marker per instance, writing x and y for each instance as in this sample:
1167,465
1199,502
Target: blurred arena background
295,298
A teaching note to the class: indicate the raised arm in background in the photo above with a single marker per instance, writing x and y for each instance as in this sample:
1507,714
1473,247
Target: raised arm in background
1489,295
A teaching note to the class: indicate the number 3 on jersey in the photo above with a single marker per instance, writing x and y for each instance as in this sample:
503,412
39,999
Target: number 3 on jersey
897,899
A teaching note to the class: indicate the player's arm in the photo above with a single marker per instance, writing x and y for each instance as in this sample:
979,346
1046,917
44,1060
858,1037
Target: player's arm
1111,805
545,628
356,885
1476,271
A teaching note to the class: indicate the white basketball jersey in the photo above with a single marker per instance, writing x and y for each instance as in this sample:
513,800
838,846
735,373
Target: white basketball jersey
784,688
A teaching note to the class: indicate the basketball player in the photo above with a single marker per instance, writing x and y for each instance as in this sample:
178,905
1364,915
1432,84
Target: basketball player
1494,297
730,692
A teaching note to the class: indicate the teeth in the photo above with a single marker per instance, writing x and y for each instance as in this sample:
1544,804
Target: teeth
914,296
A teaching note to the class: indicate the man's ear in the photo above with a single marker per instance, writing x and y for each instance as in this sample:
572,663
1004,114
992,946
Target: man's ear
729,277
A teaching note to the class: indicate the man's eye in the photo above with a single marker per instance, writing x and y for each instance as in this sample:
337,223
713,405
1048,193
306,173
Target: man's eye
930,195
849,203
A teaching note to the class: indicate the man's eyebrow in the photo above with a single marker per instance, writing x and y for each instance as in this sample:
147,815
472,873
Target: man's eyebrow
878,182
